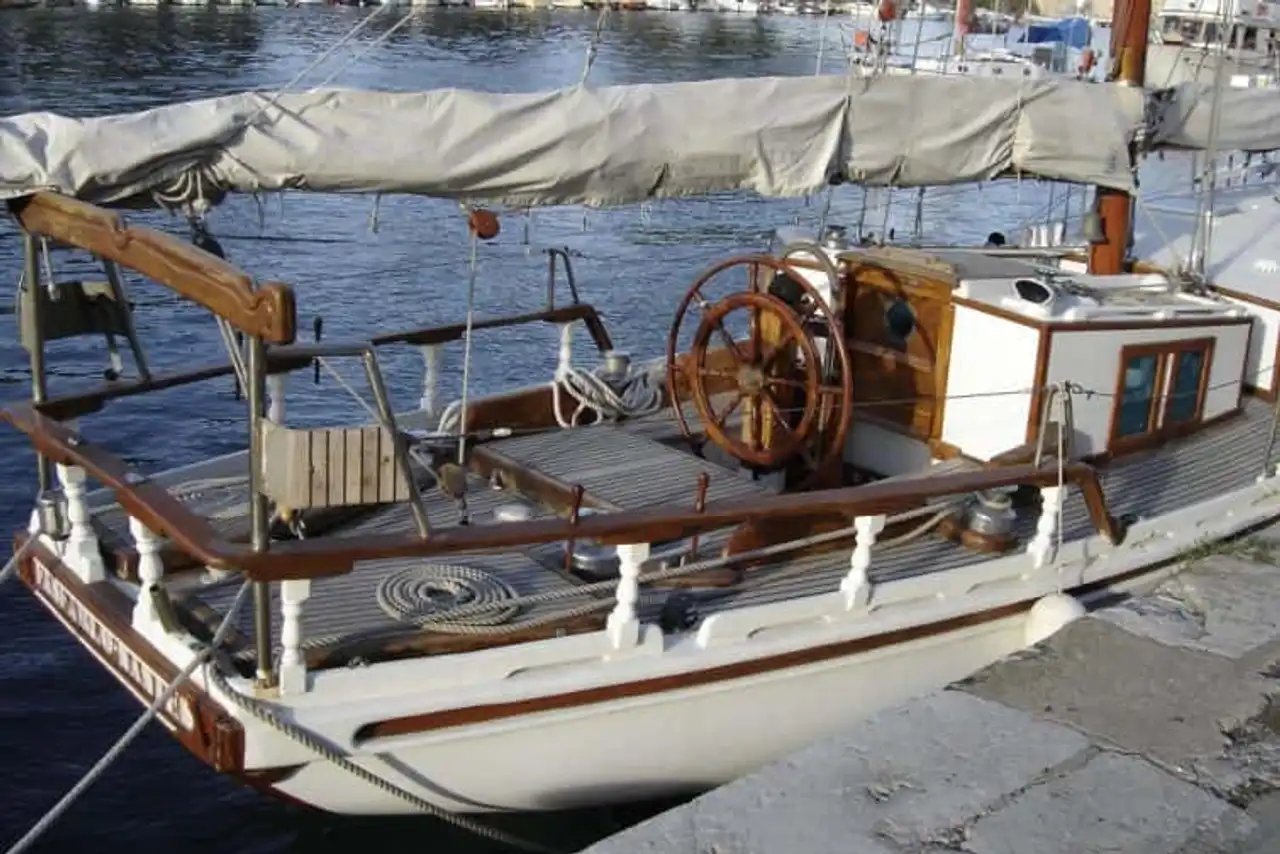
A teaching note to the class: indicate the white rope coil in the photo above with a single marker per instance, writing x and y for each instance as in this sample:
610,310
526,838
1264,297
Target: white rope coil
637,396
425,594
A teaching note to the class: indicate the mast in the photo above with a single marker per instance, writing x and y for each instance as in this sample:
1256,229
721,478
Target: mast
964,11
1129,33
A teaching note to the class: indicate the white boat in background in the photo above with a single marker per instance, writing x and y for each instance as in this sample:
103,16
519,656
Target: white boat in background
928,12
742,7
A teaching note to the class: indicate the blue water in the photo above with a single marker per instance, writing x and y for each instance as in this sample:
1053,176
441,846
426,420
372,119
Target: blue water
58,710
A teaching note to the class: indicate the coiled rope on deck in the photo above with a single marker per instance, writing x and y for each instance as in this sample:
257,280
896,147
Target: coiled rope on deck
640,395
424,593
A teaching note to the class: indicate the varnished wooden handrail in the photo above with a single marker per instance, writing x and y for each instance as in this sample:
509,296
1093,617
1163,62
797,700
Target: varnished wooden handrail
296,357
144,499
454,332
310,558
86,402
267,312
155,507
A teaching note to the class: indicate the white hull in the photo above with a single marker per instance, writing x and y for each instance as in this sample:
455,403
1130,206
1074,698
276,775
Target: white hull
630,745
684,741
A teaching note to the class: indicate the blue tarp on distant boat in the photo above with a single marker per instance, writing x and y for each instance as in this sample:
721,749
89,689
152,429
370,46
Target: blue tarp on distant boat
1076,32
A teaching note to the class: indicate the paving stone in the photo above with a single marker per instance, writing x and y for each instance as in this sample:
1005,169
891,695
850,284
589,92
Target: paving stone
1116,804
1226,604
1192,711
906,779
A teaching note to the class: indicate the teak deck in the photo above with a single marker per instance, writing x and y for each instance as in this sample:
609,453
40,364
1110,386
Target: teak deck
626,468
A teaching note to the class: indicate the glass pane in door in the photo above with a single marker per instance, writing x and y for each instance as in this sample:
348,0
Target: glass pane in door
1135,396
1184,386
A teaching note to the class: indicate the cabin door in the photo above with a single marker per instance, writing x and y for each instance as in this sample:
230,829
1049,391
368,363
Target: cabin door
898,329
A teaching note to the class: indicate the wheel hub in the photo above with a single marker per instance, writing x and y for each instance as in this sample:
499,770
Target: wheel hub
751,379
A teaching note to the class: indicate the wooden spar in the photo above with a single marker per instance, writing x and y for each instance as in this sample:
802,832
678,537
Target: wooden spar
267,312
1114,208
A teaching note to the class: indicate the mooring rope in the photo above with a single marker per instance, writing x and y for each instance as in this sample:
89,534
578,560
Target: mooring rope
12,566
99,767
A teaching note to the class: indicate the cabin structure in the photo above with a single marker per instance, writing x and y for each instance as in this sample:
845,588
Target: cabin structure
1242,267
955,354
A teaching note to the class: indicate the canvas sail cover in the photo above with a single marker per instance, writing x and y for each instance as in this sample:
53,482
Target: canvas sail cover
1248,119
777,136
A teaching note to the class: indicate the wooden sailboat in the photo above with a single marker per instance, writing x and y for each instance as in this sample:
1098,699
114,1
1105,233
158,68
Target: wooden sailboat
633,579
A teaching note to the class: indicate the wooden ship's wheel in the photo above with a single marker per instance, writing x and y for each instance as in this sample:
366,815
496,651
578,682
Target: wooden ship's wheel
790,380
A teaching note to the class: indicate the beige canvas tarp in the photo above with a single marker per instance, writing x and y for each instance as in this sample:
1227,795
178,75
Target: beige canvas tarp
776,136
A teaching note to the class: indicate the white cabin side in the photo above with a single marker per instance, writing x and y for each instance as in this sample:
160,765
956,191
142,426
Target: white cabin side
955,353
1264,344
992,371
1148,383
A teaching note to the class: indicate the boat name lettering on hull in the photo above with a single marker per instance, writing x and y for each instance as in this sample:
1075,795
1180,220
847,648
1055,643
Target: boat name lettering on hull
178,709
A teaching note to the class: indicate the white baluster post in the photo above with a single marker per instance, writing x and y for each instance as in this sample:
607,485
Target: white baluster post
624,625
293,667
1044,544
564,359
430,378
150,573
275,398
856,586
80,552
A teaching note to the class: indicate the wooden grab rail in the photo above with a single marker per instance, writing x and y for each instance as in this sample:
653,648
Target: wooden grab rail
454,332
155,507
144,499
267,312
83,403
293,358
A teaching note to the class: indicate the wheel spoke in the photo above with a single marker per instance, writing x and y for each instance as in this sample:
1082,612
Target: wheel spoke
757,334
732,345
776,412
831,390
786,382
768,363
757,424
729,410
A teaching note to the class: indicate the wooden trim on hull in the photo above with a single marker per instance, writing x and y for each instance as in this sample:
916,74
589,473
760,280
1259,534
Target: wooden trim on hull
99,617
471,715
487,713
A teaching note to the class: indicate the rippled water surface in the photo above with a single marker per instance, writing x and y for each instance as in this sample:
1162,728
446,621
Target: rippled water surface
364,268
